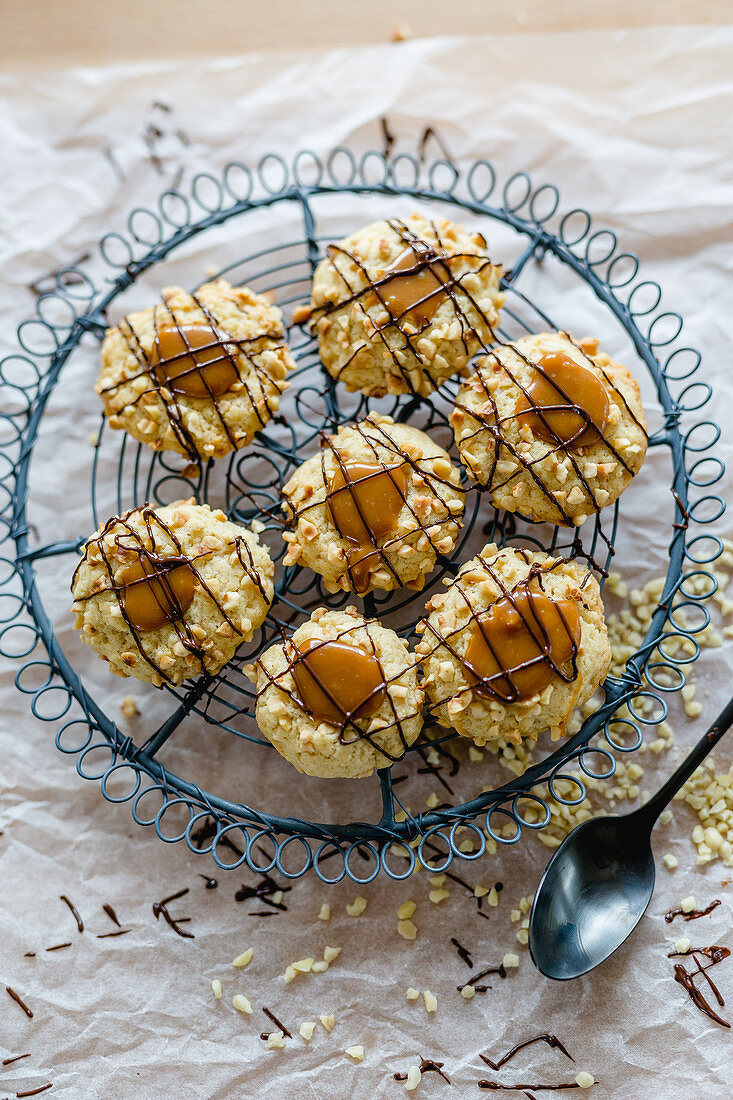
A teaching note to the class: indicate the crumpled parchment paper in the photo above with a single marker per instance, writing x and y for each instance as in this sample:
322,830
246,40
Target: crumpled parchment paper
635,126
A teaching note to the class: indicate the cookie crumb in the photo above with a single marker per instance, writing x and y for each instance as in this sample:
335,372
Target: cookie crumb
129,707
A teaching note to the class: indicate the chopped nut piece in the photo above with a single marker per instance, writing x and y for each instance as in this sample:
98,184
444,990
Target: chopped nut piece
687,904
414,1077
244,959
510,960
585,1079
493,898
129,707
406,909
412,994
307,1028
303,966
682,945
319,966
357,1053
242,1004
325,913
436,896
437,880
480,891
406,929
431,1001
670,861
216,988
289,973
432,800
357,907
665,817
331,953
276,1040
468,992
328,1022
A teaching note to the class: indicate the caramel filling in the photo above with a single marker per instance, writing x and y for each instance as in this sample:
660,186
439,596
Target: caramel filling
194,360
365,500
573,402
336,682
413,285
521,642
154,594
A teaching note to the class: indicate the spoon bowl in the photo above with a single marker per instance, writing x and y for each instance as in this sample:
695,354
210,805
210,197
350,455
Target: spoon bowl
592,895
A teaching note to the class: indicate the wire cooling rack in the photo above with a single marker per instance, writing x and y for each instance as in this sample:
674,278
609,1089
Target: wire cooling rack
248,487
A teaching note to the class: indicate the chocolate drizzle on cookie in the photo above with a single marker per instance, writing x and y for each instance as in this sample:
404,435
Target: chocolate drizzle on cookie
154,582
523,640
411,289
349,712
366,496
198,361
565,404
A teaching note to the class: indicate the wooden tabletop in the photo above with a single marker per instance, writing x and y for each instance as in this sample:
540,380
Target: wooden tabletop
40,34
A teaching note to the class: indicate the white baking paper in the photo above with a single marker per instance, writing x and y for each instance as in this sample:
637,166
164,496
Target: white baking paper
635,126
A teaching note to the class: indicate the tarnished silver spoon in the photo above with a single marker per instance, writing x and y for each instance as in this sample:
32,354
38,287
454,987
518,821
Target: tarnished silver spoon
599,882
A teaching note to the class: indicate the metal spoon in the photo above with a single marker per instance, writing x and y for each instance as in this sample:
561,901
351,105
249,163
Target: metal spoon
599,882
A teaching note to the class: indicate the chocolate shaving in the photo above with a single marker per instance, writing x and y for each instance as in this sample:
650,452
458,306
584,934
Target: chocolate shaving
18,1001
463,952
74,912
160,909
278,1024
111,914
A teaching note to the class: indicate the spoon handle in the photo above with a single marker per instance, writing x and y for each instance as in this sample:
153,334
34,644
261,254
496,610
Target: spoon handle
706,744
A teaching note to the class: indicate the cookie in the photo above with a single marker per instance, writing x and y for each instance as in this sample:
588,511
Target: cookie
374,508
340,698
515,644
553,429
168,593
199,373
400,306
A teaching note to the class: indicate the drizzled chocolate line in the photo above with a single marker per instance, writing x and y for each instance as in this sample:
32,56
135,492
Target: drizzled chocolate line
294,657
74,911
686,978
109,935
377,439
691,914
278,1024
18,1001
34,1092
493,424
210,883
131,543
160,909
427,1065
500,970
173,407
17,1058
59,946
536,628
427,257
552,1041
497,1086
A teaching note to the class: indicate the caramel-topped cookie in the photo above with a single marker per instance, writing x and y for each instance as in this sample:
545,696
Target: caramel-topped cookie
168,593
553,428
374,509
401,306
340,697
515,644
198,373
